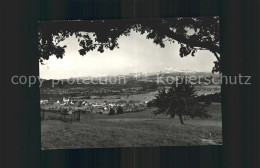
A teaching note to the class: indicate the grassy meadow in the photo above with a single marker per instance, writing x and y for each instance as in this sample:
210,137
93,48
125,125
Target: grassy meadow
138,129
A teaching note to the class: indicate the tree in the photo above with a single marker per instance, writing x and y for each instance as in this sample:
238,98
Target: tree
111,111
215,97
179,100
150,103
120,110
192,34
207,102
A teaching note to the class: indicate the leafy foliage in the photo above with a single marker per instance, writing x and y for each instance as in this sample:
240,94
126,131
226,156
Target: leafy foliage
120,110
111,112
192,34
180,100
215,97
207,102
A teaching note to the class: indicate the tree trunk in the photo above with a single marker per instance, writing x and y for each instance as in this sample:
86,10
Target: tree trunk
180,116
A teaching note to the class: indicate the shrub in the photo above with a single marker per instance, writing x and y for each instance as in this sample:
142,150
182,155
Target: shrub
120,110
111,112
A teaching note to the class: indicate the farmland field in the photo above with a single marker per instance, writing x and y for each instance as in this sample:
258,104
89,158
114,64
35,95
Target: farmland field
131,129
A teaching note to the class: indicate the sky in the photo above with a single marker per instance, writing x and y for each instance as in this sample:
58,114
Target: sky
135,54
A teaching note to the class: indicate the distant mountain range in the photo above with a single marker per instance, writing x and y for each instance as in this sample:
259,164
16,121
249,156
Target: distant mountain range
167,71
132,79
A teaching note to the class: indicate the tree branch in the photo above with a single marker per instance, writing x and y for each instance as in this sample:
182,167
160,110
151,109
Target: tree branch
191,42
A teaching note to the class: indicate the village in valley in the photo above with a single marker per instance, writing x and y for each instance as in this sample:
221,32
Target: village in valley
98,107
112,99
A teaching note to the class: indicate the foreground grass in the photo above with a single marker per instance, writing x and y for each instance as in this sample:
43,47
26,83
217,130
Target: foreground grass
132,129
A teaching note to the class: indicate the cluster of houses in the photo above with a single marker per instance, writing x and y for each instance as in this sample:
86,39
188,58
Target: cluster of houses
101,107
44,102
104,108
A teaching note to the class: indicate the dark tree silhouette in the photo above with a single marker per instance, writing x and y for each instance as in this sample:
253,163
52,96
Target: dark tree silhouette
120,110
179,100
207,102
150,103
192,34
215,97
111,112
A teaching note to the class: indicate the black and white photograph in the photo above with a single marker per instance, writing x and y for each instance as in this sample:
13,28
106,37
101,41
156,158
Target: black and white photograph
130,83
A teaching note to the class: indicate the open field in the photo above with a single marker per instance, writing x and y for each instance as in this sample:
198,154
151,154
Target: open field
131,129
